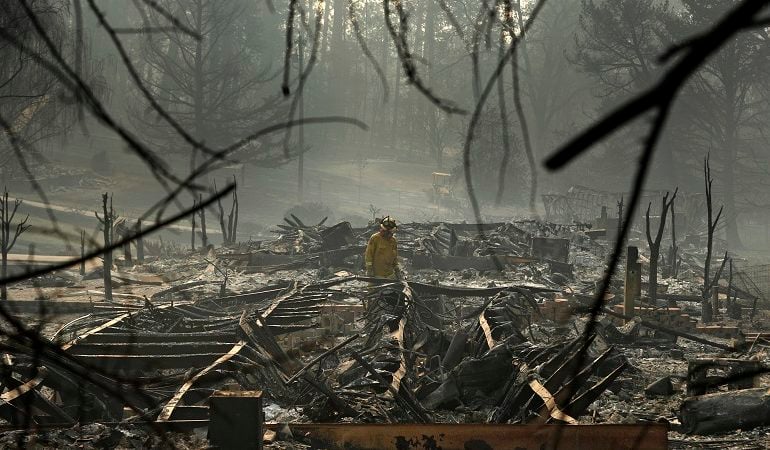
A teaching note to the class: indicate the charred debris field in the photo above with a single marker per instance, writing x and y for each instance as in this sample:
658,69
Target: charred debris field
284,342
566,245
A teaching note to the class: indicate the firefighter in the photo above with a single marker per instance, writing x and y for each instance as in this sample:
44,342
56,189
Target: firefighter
382,252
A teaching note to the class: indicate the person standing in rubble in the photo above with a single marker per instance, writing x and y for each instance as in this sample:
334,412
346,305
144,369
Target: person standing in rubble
382,252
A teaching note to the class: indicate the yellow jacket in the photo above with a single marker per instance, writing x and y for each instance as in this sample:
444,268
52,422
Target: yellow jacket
382,256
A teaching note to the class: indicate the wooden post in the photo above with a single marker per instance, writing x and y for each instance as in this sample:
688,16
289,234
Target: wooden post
236,419
633,283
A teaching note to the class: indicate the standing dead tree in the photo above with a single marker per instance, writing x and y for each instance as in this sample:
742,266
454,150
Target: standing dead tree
671,268
230,229
706,309
106,221
232,218
6,241
655,244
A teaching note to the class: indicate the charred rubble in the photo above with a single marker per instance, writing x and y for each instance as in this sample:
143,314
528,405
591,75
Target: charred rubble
487,327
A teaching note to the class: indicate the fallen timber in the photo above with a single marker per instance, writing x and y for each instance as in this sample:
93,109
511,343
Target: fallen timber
725,411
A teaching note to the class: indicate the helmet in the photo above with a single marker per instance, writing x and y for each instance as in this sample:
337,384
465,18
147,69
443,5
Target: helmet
388,223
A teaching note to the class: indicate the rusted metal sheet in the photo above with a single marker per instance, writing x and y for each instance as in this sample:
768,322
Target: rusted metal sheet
482,436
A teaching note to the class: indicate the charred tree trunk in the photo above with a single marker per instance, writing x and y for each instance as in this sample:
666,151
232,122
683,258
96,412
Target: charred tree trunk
654,244
225,236
107,222
232,218
726,411
706,310
673,252
7,241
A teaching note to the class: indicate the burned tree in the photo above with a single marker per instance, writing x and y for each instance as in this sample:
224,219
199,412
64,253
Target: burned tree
232,219
202,214
655,244
671,268
106,222
708,283
7,242
230,228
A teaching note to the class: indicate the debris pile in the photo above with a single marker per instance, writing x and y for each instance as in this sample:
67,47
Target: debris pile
493,325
